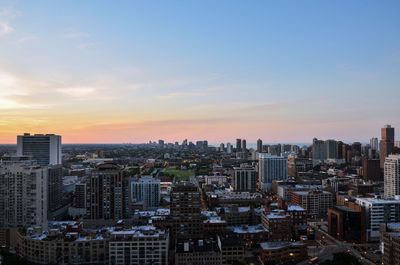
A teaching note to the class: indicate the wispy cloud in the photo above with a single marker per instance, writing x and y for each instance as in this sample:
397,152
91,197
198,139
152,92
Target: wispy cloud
79,92
6,15
5,28
181,94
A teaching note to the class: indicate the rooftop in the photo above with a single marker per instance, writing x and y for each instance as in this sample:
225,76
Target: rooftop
269,245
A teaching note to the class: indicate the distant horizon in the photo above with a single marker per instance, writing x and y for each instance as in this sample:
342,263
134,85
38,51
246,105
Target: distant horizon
212,144
285,71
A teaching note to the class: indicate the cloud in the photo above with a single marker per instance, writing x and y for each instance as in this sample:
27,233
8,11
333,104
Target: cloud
79,92
5,28
181,94
6,15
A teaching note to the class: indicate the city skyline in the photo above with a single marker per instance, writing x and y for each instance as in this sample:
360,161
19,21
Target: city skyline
134,72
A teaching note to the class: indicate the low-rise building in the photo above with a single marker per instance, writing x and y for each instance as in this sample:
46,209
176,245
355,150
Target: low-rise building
139,245
315,202
282,252
390,243
64,243
197,252
250,234
278,224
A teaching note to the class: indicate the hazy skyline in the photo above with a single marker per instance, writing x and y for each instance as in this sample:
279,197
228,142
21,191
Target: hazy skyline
128,71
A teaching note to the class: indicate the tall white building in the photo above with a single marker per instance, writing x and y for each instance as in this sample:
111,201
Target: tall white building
45,149
271,168
392,176
23,193
229,148
146,191
374,143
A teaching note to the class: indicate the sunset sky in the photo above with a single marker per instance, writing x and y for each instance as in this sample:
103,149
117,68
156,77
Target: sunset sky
130,71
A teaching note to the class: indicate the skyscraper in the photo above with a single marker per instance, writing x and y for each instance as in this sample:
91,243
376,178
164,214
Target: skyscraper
23,193
229,148
146,190
244,147
106,192
392,176
331,147
271,168
238,145
45,149
318,150
55,187
387,143
186,211
374,143
259,145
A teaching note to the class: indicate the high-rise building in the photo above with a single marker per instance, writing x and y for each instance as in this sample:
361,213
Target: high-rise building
331,147
244,147
346,152
238,145
387,143
23,193
45,149
374,143
229,148
391,176
259,145
271,168
340,150
186,211
222,147
318,150
55,187
146,191
245,178
106,192
356,149
80,195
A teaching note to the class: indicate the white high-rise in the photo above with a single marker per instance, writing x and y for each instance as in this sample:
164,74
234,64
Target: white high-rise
23,193
271,168
229,148
392,176
374,142
146,190
45,149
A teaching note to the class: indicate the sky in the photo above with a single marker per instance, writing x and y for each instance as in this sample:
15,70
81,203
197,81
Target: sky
134,71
